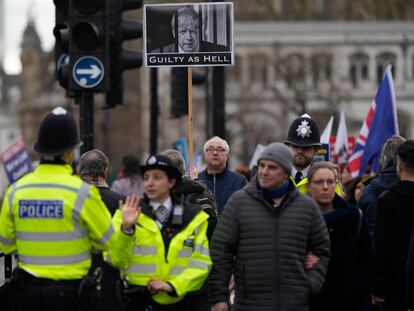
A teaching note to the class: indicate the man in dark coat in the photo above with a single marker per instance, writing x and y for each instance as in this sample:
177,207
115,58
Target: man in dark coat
381,182
221,181
93,168
264,236
410,276
395,218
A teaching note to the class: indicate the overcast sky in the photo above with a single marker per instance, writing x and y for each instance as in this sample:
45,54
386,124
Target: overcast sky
16,14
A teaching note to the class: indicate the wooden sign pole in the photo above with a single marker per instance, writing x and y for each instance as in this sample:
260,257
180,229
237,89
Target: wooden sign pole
190,119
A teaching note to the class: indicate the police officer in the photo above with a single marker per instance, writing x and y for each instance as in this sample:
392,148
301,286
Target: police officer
304,140
163,250
52,220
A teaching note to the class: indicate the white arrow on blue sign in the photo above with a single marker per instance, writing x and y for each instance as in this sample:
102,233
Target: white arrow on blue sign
88,71
63,60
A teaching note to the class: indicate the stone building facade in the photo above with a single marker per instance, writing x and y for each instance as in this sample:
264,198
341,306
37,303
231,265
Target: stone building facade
286,68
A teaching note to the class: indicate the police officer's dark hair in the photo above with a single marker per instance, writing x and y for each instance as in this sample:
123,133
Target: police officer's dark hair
389,151
406,155
93,163
176,159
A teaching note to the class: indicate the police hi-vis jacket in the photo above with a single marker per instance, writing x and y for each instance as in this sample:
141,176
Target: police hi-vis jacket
52,220
142,257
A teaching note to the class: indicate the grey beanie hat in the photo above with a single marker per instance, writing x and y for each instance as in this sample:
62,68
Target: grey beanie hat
279,153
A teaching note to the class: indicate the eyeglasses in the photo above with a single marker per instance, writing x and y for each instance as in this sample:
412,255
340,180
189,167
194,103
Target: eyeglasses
321,182
218,150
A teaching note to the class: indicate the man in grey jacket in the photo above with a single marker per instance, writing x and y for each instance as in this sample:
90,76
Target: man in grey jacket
265,235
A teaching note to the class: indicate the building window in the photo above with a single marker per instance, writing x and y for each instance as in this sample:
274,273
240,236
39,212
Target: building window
292,69
383,60
321,68
359,68
258,69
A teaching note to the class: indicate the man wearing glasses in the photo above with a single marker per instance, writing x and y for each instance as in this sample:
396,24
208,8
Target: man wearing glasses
221,181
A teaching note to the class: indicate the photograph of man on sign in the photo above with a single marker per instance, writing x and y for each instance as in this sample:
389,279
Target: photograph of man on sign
187,34
188,30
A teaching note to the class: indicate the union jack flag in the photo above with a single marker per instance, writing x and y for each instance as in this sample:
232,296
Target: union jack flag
380,124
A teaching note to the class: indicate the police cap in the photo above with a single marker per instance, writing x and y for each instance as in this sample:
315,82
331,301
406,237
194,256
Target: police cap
304,132
163,163
58,133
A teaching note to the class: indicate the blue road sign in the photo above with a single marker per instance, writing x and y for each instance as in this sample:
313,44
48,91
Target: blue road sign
88,71
62,61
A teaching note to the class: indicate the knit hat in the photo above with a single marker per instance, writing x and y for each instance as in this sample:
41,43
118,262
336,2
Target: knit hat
279,153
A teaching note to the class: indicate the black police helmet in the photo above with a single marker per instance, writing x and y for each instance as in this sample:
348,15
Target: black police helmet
58,133
163,163
304,132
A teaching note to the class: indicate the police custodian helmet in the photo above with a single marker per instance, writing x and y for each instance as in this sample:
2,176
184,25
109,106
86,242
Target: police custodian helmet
162,162
58,133
303,132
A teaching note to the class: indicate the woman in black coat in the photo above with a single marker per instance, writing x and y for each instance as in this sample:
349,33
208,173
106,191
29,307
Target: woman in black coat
347,283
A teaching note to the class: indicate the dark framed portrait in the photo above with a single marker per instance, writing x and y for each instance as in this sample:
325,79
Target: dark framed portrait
188,34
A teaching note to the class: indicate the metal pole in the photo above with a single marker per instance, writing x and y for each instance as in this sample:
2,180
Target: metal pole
219,109
87,109
154,111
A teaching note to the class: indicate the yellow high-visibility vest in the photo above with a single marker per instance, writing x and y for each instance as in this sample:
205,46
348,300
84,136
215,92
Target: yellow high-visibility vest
52,220
302,185
142,257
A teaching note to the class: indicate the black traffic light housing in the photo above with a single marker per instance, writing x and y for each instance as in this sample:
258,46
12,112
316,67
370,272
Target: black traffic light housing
88,41
179,89
61,33
119,59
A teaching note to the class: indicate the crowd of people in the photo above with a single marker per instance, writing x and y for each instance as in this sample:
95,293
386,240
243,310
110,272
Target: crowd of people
291,235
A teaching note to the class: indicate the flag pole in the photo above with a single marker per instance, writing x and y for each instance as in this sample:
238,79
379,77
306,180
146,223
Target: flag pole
190,118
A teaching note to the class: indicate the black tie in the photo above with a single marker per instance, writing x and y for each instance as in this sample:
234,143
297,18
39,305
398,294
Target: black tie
298,177
162,214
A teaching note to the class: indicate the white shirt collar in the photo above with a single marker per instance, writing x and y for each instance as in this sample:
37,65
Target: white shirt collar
167,203
304,172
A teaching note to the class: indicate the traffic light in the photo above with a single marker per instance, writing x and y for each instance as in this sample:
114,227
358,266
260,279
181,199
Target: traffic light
88,45
179,89
61,33
119,59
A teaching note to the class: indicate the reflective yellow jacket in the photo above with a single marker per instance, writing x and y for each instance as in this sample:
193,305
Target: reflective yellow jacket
302,185
142,257
52,220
